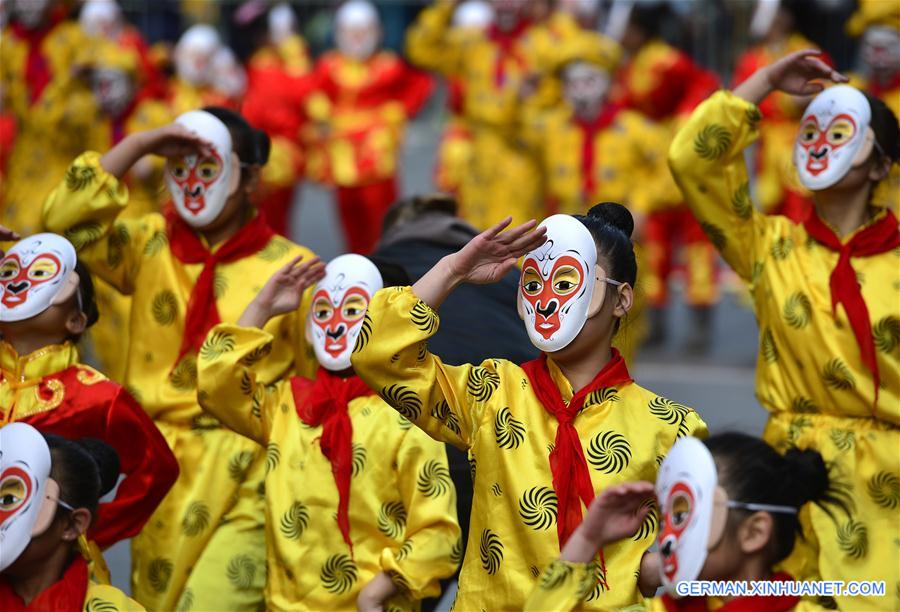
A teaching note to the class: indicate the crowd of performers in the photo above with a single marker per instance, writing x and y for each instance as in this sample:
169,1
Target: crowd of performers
273,431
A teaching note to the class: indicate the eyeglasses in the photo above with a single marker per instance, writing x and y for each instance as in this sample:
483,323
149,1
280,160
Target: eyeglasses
761,507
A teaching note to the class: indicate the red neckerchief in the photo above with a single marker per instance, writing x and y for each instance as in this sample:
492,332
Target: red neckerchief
589,131
37,68
879,90
65,595
756,603
879,237
506,41
202,313
324,402
571,477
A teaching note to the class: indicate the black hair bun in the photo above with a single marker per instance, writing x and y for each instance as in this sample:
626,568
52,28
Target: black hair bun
263,145
107,460
884,124
86,289
614,214
808,475
392,274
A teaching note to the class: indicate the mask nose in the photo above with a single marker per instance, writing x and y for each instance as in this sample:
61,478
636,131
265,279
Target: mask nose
665,549
17,288
820,153
334,334
547,310
193,192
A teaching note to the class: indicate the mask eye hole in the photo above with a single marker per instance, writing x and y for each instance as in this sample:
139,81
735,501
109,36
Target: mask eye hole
43,268
179,169
532,283
840,132
354,308
12,493
322,310
208,169
8,269
809,132
566,279
680,510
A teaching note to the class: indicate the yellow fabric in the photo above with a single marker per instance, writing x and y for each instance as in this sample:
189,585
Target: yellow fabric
105,598
51,132
402,517
809,373
133,255
873,12
490,411
22,373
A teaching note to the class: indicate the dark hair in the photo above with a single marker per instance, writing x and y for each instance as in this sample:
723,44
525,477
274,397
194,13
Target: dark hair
86,292
86,470
251,145
392,274
651,17
885,126
611,225
407,209
751,471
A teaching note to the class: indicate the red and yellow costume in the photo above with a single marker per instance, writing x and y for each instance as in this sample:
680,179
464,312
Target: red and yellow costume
363,106
205,545
494,411
664,84
829,323
455,147
400,507
778,189
52,109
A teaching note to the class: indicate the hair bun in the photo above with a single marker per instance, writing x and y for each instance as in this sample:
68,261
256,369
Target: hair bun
808,474
614,214
107,460
263,144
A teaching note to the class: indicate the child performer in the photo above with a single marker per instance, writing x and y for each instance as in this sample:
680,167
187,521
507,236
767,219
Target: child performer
729,513
51,487
544,436
335,454
47,302
199,263
825,295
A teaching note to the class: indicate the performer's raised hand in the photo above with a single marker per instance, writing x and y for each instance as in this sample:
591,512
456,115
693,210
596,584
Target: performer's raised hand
796,74
172,140
7,235
283,292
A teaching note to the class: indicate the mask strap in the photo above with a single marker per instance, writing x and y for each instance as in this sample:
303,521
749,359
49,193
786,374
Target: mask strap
878,146
61,503
762,507
614,283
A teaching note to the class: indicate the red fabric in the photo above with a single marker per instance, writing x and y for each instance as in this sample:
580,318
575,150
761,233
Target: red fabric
324,401
663,230
202,313
506,48
275,207
738,604
362,211
589,131
8,131
37,69
104,410
880,237
65,595
880,90
274,100
571,477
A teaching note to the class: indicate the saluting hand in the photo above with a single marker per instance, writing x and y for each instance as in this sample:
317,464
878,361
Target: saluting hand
797,73
283,292
492,253
7,235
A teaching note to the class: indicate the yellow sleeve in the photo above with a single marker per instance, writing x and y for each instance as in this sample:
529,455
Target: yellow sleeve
103,597
432,529
693,425
431,43
654,187
227,383
707,161
392,356
562,587
84,208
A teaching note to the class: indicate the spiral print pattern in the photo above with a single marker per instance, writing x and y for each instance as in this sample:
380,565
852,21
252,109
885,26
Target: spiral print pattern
884,489
392,519
666,410
741,202
608,394
482,383
782,248
491,551
496,489
358,459
239,465
768,347
216,344
159,573
156,243
555,575
257,354
273,456
798,310
538,508
423,317
164,307
434,479
598,581
509,430
196,519
365,332
184,375
843,439
84,234
650,523
404,400
886,333
441,411
294,522
609,452
456,553
404,550
241,571
96,604
715,234
275,250
803,405
712,141
116,242
186,601
338,574
79,177
853,539
837,375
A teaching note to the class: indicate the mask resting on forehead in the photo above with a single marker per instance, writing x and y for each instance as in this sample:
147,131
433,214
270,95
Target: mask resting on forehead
557,284
686,489
35,274
339,305
201,184
834,137
24,483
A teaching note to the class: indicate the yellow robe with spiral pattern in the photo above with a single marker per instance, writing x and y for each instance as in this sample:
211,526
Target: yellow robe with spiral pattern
809,372
491,411
402,507
205,545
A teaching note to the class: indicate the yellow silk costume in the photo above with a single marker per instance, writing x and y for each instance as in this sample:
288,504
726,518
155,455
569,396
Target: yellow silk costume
205,544
402,502
105,598
490,411
809,372
51,130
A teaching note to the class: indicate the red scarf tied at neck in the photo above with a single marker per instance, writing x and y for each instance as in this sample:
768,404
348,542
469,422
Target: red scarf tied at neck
750,603
879,237
202,313
65,595
571,477
324,402
507,43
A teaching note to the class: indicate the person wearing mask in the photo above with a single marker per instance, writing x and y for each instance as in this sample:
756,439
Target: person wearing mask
824,293
542,437
193,85
200,262
51,487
